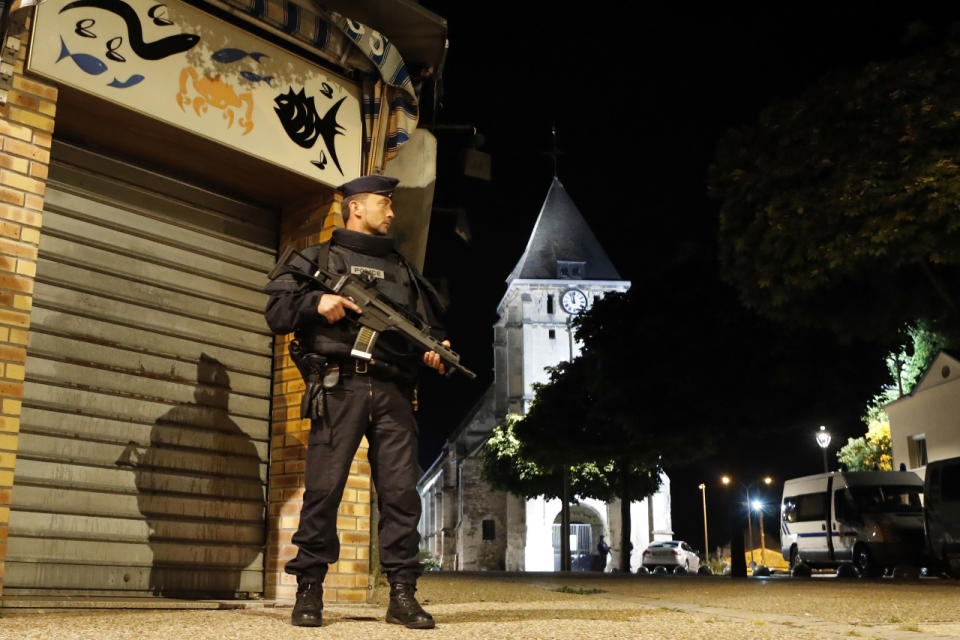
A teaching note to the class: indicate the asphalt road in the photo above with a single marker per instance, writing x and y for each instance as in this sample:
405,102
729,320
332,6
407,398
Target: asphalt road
548,606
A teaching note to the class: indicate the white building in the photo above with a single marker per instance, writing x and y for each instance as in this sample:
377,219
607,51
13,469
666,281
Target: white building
465,524
925,425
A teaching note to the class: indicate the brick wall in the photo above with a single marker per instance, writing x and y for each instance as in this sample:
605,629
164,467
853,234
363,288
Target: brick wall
26,128
348,580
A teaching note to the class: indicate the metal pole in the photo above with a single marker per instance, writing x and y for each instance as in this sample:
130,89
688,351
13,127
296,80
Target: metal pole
825,469
750,528
706,541
763,546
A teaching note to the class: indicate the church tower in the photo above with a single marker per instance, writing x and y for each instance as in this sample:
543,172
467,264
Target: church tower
561,273
465,524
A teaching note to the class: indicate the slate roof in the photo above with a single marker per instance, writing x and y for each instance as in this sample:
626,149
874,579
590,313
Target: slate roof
561,233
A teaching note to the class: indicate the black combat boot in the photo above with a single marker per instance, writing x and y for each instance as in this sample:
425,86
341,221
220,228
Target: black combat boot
404,608
308,611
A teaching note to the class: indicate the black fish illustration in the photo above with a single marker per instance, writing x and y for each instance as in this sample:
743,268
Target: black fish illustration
147,50
299,117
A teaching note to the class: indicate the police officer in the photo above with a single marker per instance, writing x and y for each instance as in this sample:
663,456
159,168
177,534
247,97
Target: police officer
347,398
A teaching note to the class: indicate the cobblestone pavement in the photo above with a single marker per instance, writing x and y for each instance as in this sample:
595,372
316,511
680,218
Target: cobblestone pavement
529,606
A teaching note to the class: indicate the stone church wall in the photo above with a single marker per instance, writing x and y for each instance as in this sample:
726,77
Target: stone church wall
482,505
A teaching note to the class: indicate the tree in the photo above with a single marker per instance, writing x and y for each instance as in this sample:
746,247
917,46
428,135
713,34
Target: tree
566,426
506,468
905,365
869,452
841,208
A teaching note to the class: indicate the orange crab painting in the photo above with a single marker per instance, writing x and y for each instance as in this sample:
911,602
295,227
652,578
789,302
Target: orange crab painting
213,92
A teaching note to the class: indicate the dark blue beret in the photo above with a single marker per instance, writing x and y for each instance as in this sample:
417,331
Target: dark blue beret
380,185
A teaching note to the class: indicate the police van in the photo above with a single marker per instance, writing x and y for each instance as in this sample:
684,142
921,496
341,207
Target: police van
872,519
942,514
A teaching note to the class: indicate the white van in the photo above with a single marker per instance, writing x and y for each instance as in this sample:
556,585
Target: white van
873,519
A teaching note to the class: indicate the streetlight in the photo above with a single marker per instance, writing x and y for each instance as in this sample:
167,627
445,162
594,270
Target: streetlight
706,543
758,506
823,439
767,480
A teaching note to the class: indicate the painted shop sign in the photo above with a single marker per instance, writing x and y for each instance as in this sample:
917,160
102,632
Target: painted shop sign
180,65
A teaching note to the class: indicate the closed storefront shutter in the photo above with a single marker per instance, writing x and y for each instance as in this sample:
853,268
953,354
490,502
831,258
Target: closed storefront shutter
144,440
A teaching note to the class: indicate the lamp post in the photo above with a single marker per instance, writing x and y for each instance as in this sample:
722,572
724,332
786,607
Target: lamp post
758,506
823,439
750,527
706,542
767,480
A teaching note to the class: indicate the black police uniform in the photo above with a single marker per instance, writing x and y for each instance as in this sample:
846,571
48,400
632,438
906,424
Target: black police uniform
359,398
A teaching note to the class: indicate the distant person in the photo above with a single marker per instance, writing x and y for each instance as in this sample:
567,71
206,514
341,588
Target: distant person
603,549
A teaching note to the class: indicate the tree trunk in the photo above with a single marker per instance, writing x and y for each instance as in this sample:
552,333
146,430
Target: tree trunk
625,546
565,520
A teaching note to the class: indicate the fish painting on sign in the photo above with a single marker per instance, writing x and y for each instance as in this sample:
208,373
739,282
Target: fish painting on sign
230,55
252,77
174,62
87,63
86,28
300,119
162,48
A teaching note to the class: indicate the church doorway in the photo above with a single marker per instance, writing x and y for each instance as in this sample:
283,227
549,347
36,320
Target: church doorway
586,527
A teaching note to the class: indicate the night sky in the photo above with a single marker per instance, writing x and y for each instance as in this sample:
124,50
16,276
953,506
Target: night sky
639,101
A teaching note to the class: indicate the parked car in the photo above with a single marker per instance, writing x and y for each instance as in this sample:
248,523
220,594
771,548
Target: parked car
941,523
873,519
671,554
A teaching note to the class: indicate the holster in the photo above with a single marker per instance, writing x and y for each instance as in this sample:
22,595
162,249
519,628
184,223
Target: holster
313,368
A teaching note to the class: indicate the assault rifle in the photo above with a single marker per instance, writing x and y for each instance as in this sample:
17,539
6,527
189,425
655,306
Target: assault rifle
377,316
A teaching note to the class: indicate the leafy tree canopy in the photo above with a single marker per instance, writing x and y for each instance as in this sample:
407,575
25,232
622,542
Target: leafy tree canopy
506,468
905,366
872,451
841,209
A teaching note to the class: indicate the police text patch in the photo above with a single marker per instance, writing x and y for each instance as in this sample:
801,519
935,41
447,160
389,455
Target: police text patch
367,271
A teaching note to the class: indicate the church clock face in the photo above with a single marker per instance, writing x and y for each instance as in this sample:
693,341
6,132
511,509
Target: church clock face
573,301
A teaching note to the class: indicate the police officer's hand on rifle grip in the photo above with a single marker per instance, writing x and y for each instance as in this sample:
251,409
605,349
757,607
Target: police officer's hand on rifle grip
432,359
332,306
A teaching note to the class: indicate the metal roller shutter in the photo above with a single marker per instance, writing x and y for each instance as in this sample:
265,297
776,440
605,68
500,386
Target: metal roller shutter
145,427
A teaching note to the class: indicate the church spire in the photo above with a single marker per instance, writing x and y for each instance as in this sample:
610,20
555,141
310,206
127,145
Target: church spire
562,245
